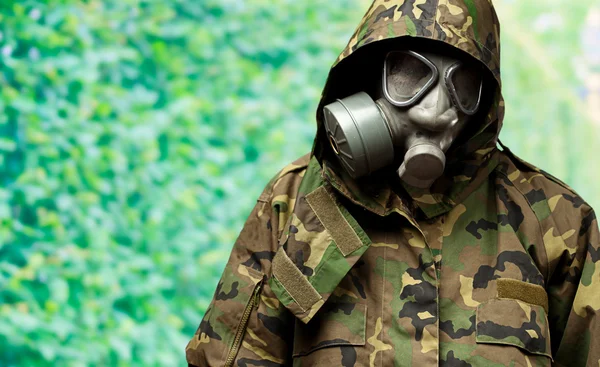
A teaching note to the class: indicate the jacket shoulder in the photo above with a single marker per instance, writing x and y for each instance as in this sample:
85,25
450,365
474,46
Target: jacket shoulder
564,220
537,185
287,181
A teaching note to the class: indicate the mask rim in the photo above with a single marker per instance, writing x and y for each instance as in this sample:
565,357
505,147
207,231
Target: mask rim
454,94
423,90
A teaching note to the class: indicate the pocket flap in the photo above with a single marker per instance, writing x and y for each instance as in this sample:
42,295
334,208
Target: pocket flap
516,323
337,324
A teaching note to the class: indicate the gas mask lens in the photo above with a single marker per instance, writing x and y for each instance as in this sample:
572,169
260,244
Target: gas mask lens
465,86
406,77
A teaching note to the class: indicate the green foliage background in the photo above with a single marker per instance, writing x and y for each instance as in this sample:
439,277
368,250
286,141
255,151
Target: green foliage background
136,135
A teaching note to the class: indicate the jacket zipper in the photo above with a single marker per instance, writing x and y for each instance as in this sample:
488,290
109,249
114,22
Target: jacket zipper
237,341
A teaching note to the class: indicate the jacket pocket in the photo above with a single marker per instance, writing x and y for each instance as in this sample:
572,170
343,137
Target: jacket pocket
514,322
336,324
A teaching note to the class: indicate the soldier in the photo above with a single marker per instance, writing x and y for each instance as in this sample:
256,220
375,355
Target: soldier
407,237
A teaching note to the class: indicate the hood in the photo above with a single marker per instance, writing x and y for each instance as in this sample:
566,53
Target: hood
470,26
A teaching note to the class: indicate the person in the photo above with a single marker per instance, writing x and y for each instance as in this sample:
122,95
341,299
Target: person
407,236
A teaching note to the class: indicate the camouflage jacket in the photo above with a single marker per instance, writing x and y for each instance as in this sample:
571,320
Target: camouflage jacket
494,266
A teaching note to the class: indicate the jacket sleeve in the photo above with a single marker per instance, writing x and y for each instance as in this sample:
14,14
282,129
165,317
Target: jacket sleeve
245,321
574,290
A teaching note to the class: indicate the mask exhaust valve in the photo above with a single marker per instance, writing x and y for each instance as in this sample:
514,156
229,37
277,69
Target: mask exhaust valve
423,164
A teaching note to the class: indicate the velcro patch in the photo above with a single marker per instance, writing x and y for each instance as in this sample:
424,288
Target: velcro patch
333,220
522,291
294,282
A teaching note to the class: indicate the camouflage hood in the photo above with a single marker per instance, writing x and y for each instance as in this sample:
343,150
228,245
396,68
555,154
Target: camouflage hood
467,25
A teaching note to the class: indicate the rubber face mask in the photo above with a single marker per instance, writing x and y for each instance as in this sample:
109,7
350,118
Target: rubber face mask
424,102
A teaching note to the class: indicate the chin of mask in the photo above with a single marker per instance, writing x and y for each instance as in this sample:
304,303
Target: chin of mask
424,102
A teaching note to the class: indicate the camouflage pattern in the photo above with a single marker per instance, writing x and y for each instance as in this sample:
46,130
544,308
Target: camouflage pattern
497,265
469,25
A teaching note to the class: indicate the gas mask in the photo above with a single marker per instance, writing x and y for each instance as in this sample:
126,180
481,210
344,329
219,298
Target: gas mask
424,101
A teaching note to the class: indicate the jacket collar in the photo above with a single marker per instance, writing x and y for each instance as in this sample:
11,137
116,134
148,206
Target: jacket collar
336,244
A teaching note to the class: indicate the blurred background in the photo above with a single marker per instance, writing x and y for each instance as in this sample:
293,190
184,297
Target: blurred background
135,137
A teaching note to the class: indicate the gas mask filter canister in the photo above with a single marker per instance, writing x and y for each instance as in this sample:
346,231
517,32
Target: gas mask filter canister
359,134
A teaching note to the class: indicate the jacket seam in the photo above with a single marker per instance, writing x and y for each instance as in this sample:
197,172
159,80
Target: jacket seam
266,197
